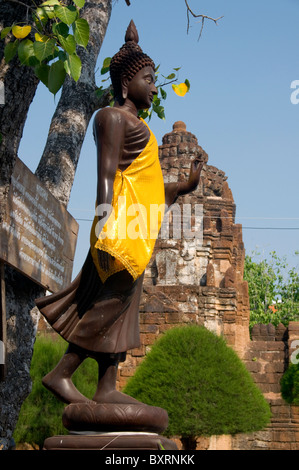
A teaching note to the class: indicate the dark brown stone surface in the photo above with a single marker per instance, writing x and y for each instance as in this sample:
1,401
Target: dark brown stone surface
109,442
110,417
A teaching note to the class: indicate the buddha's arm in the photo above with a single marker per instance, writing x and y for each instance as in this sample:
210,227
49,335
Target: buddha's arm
174,190
109,137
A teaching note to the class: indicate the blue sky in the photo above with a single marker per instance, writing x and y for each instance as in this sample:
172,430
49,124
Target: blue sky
239,107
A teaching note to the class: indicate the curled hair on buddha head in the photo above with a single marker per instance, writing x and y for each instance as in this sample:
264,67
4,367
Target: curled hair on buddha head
128,60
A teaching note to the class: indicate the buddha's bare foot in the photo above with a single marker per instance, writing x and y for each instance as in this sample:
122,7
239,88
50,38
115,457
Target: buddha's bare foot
63,388
115,397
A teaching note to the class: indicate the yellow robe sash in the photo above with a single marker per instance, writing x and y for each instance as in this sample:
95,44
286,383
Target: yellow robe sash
138,203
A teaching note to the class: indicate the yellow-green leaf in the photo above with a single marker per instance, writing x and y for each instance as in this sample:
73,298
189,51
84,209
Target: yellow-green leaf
50,3
79,3
180,89
40,37
20,32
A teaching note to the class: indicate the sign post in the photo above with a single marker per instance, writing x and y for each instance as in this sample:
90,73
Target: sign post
37,237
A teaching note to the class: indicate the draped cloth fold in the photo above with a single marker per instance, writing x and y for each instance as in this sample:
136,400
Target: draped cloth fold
99,311
138,206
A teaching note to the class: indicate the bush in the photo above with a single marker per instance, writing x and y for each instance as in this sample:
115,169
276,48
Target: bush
41,413
273,289
290,385
202,383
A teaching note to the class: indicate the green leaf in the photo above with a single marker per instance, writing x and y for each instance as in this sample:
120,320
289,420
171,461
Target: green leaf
43,50
74,63
159,110
170,77
104,70
163,93
106,65
55,55
81,32
5,32
50,12
66,66
187,83
62,55
79,3
57,75
66,14
48,7
10,50
40,17
42,72
26,51
99,92
106,62
68,44
145,114
60,28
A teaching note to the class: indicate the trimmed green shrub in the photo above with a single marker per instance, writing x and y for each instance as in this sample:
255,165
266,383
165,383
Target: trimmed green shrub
290,385
41,413
201,383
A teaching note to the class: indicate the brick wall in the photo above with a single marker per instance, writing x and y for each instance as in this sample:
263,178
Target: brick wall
267,358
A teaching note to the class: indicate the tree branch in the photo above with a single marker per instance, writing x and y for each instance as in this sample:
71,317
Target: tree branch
22,4
166,83
18,2
203,18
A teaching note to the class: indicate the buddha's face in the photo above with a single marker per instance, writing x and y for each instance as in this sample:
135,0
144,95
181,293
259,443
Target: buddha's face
141,89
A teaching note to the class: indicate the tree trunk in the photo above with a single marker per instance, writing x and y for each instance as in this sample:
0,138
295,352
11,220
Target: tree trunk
20,85
76,106
56,170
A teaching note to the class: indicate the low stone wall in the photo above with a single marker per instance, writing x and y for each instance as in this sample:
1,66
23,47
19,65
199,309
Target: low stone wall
267,358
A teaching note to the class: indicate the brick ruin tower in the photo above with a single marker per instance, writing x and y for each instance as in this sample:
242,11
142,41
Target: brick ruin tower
201,279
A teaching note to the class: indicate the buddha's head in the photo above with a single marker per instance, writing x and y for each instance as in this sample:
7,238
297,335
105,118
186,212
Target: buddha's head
128,61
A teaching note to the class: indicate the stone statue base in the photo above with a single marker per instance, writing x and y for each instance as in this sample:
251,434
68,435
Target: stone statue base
116,441
110,417
112,426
